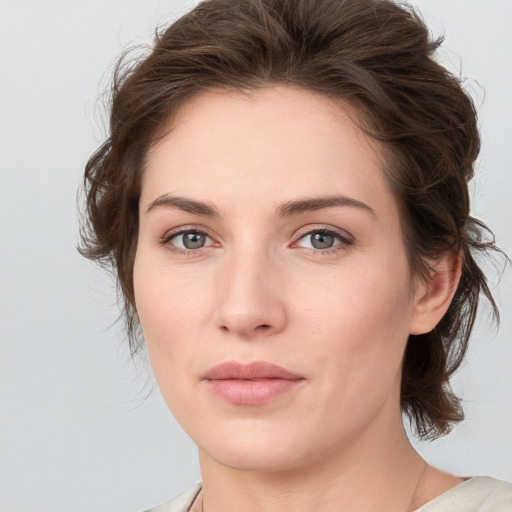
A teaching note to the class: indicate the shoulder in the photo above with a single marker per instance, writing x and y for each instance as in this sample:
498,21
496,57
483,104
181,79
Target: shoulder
477,494
180,503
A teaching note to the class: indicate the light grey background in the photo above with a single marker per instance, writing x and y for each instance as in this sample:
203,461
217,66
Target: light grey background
76,432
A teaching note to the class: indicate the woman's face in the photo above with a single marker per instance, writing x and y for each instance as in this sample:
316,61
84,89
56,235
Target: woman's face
270,238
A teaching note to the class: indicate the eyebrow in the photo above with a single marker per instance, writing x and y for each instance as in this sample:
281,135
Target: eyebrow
306,205
287,209
182,203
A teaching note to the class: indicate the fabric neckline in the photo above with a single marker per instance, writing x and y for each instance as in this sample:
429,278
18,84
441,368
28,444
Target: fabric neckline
445,494
198,497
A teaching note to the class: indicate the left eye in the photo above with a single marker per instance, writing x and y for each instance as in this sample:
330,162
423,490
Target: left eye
320,240
190,240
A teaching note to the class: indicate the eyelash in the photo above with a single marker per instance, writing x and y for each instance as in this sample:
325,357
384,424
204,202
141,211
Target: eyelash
345,241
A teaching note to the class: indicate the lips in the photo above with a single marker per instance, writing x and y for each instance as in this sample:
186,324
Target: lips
255,383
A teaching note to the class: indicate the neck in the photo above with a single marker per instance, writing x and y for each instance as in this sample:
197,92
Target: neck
379,471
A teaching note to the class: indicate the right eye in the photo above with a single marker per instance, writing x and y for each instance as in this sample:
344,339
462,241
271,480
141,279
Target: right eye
187,240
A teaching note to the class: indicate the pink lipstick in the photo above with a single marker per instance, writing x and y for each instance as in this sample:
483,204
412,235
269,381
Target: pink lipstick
250,384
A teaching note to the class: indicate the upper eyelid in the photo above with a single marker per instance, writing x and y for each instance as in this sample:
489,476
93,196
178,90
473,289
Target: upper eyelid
302,231
344,235
187,229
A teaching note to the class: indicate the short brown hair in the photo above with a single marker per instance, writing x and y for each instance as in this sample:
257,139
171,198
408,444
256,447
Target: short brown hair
375,55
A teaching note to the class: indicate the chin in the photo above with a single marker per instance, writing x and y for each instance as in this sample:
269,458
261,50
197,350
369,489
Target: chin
264,460
258,450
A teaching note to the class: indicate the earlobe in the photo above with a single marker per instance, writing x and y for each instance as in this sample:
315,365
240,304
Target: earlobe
434,296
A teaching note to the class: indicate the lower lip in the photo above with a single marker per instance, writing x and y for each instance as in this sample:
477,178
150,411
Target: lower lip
251,392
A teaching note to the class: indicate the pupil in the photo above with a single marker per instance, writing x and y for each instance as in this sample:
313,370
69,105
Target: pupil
193,240
322,240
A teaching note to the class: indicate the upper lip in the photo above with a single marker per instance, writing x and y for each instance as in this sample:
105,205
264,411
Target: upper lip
249,371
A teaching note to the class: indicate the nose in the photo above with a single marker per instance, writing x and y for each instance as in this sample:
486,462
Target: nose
251,300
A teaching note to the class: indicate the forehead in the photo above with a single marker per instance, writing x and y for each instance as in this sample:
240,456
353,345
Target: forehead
270,143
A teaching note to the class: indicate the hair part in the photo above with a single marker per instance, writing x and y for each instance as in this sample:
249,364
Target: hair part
375,56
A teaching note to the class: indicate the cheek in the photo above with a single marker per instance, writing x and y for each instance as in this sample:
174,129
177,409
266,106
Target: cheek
173,309
358,300
359,324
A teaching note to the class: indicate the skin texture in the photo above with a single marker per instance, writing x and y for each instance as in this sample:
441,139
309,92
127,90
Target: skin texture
259,291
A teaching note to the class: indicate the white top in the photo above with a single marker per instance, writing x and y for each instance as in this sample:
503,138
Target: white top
477,494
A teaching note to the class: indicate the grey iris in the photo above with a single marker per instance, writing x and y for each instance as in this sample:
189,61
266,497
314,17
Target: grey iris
193,240
322,240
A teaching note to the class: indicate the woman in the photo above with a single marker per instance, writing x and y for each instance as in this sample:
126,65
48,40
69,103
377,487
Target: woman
284,198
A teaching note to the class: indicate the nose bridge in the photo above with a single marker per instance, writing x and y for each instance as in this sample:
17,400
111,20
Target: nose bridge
251,299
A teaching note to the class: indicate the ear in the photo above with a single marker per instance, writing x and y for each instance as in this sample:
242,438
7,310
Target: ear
434,296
